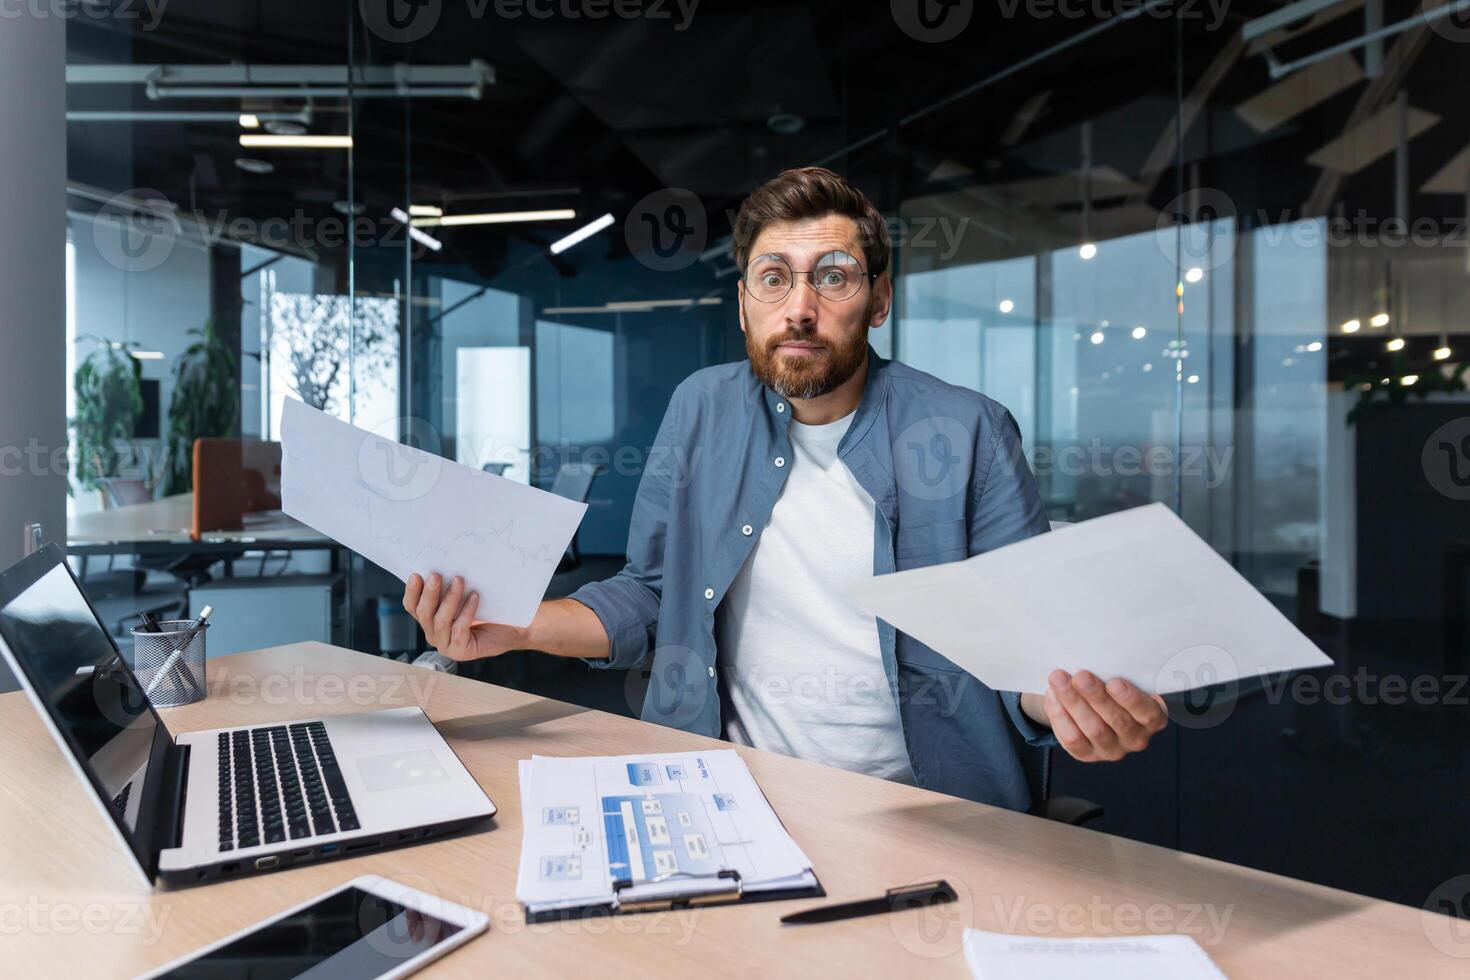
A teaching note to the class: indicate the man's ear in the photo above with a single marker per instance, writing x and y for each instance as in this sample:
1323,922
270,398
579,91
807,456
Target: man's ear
740,302
882,301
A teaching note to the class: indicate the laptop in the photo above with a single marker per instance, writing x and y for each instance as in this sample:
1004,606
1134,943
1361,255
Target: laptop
232,801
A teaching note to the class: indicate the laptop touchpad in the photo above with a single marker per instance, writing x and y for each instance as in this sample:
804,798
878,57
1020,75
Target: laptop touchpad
395,770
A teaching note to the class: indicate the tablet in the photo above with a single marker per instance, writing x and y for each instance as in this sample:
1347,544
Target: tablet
371,928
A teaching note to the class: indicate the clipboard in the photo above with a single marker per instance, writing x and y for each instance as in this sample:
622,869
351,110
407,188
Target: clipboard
700,891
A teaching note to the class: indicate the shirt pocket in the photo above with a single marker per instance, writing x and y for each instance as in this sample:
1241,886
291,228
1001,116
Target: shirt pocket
931,544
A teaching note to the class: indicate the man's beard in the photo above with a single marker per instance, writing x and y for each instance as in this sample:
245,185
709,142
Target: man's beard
806,377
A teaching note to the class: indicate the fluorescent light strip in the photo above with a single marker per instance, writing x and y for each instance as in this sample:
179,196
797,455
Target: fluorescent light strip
422,237
425,210
147,355
496,218
265,141
636,306
581,234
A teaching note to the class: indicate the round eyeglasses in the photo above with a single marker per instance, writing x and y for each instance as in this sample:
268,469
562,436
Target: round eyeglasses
836,276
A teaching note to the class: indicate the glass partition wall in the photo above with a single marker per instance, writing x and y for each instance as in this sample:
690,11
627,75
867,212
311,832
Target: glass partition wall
1204,261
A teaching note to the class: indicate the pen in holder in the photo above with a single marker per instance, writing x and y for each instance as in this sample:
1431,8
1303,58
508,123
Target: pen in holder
169,661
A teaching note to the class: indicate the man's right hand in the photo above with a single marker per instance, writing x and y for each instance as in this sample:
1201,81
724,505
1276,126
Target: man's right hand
448,620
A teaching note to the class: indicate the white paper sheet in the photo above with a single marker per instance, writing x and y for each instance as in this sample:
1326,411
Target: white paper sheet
1135,594
590,821
411,511
995,956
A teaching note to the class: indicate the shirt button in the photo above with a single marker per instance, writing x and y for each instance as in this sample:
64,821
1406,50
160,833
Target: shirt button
780,461
747,530
712,672
709,593
780,407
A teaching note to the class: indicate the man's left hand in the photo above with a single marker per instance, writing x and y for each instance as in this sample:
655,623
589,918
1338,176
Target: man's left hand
1097,722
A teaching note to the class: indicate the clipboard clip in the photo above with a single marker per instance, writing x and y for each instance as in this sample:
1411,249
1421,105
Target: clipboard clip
733,891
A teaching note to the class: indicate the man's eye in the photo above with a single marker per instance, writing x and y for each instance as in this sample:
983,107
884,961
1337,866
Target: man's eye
772,279
833,277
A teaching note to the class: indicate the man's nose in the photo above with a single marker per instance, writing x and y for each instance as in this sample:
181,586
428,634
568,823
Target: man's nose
801,302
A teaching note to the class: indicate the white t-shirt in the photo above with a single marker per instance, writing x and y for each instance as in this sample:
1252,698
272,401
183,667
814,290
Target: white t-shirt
801,663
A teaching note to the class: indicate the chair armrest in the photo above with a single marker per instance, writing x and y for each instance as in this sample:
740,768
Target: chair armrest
1069,809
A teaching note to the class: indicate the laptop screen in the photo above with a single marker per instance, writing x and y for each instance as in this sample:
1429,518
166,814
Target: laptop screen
66,659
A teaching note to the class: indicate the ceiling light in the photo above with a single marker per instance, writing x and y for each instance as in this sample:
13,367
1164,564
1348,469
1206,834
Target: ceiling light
1379,320
1193,379
1351,326
422,237
284,127
1140,332
147,355
1006,306
1087,251
1195,274
296,142
1149,366
1442,353
249,120
1097,337
1408,379
1396,343
786,123
343,207
497,218
1314,346
425,210
252,166
581,234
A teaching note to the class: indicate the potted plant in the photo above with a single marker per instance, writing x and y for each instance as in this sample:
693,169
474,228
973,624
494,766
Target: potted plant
205,403
109,398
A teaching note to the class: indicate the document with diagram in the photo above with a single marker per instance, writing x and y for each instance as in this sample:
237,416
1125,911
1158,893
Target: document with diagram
606,832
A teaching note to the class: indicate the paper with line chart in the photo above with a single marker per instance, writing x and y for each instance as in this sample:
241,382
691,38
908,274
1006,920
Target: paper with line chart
412,511
671,821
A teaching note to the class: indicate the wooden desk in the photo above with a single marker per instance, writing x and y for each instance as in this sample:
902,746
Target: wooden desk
72,907
163,525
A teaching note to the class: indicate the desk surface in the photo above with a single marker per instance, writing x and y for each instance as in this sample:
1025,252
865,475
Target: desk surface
168,520
84,911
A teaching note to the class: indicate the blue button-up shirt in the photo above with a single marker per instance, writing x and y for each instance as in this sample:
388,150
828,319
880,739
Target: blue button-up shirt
944,468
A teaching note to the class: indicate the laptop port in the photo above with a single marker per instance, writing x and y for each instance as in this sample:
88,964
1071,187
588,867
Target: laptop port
269,861
329,848
231,868
364,846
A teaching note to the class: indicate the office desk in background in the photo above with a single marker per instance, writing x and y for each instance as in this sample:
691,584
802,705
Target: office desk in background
1014,873
162,527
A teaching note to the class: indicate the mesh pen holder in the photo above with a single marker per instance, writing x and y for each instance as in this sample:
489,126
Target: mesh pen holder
170,681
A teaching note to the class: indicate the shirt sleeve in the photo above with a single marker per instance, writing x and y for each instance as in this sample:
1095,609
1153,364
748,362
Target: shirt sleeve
627,604
1007,509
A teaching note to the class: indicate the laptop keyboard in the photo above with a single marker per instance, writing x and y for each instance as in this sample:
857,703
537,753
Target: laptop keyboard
280,783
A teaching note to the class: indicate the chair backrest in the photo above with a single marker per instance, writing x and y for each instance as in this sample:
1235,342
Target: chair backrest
574,481
1058,525
497,469
121,491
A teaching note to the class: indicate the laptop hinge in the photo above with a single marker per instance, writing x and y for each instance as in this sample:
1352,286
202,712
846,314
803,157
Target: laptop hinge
175,787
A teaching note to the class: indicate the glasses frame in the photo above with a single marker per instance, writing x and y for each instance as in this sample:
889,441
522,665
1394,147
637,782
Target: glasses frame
809,277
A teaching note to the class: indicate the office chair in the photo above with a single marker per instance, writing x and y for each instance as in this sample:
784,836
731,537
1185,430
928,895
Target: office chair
1063,809
496,469
574,482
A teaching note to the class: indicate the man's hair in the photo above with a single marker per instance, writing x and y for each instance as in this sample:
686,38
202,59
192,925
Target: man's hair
812,192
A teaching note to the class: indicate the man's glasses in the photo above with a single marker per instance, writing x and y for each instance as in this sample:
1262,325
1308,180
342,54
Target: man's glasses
836,276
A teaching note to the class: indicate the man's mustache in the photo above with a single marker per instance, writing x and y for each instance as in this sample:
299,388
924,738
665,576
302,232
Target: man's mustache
806,338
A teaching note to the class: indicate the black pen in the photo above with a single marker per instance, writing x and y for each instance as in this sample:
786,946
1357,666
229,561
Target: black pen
895,900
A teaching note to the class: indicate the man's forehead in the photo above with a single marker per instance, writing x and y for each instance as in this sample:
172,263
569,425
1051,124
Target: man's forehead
833,232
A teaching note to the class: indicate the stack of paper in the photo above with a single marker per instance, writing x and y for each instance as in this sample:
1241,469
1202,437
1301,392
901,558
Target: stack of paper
995,956
667,824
